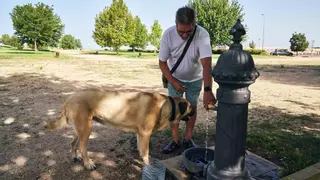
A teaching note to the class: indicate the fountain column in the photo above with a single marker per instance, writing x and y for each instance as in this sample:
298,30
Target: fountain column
234,72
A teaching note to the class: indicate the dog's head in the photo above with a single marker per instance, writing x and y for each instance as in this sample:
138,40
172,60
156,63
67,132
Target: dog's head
173,110
180,109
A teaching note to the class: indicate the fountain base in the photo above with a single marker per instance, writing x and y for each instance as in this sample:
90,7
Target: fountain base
258,167
197,160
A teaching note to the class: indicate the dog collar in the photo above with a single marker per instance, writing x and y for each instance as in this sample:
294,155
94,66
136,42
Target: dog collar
173,110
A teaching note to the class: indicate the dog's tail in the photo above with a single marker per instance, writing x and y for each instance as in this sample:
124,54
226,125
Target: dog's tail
59,123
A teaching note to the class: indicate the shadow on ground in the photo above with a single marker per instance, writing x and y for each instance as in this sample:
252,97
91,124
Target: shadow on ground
291,74
27,151
292,141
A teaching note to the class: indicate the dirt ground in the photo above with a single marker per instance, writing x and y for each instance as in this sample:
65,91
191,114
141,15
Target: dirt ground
33,90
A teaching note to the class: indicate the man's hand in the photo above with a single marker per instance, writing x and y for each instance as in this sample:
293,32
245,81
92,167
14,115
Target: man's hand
176,84
208,98
179,86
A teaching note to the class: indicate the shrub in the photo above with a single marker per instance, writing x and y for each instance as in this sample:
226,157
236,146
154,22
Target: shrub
251,51
257,52
218,51
252,45
140,50
68,42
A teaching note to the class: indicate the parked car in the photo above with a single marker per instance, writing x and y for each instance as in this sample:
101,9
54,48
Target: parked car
281,52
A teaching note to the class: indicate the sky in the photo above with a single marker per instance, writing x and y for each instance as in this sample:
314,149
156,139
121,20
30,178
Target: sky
281,18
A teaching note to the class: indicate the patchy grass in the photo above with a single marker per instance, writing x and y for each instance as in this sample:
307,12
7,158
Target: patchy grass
269,57
216,56
125,54
291,141
291,150
150,55
11,53
2,86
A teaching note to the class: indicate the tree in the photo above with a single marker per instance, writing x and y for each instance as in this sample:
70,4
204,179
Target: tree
68,42
37,24
13,41
5,39
155,36
114,26
252,45
217,17
16,42
140,36
78,43
298,42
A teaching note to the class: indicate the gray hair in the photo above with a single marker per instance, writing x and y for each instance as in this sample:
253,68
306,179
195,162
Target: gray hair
185,15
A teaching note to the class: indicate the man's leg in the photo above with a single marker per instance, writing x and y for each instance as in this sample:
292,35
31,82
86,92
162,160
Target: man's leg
174,144
174,127
192,95
175,132
190,124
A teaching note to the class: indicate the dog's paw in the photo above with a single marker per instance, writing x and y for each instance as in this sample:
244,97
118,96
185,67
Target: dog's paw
146,160
77,159
91,166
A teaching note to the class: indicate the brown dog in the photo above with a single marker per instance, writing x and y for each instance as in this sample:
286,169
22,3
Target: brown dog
137,112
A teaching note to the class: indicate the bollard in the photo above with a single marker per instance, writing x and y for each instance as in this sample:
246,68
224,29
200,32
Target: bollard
234,72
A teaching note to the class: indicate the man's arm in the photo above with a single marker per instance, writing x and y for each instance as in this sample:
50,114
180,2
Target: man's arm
164,54
208,97
205,51
206,61
207,65
165,71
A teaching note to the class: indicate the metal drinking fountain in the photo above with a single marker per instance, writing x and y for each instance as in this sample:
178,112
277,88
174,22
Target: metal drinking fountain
234,72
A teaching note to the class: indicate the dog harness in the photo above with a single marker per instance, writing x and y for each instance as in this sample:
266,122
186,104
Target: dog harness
173,110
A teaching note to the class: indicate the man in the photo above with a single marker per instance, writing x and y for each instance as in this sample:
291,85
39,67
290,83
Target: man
194,68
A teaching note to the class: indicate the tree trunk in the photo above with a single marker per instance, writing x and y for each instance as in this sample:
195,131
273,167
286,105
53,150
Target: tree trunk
134,49
35,45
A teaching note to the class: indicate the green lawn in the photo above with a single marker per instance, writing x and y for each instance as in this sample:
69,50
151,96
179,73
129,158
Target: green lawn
293,150
9,53
150,55
126,54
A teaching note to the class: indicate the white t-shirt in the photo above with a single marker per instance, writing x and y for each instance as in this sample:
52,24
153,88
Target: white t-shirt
171,47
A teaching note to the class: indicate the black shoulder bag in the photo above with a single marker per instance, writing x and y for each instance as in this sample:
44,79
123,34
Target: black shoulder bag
164,79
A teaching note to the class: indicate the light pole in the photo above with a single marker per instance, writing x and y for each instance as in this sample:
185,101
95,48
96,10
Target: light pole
263,31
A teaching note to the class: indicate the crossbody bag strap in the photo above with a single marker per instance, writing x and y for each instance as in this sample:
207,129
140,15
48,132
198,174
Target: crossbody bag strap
184,51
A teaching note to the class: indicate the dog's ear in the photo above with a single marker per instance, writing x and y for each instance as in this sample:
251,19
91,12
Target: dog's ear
182,107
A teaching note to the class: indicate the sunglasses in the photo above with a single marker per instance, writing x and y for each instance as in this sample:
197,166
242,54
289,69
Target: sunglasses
185,32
